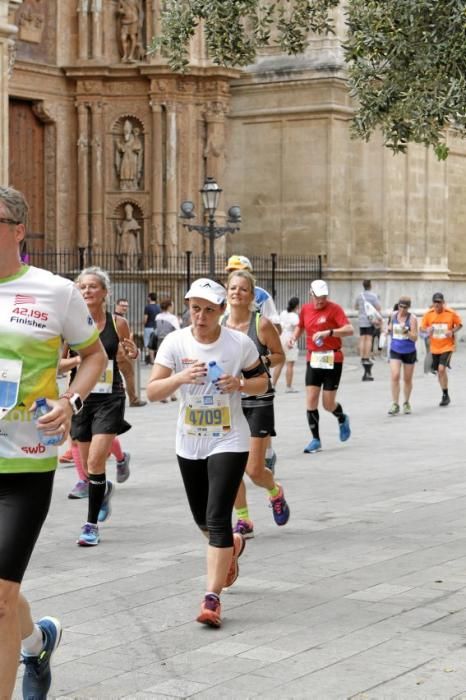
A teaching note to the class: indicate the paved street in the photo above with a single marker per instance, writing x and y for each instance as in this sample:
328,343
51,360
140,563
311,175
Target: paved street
362,595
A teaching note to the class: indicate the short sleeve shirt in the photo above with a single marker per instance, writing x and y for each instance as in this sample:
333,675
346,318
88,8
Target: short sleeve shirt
151,311
373,299
313,320
38,310
441,322
233,351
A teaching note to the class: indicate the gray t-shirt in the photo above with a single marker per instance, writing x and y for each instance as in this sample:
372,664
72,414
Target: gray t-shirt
372,299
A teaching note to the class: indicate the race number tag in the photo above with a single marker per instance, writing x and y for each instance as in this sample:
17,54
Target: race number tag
10,376
207,416
398,331
439,330
322,360
105,383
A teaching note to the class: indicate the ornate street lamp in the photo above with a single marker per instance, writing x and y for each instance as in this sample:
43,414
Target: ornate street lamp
210,199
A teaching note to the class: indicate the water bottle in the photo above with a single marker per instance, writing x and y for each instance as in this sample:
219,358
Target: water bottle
40,410
214,371
319,341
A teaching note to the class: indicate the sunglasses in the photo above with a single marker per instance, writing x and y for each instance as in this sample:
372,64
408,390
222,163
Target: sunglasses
403,306
9,221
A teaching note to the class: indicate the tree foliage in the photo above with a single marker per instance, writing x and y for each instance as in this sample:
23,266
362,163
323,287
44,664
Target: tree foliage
406,59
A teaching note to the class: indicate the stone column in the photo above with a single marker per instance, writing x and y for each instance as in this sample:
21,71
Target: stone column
7,32
171,203
83,34
97,29
83,175
97,183
156,21
156,237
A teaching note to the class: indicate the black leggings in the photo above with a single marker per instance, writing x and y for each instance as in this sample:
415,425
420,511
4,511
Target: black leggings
211,486
24,504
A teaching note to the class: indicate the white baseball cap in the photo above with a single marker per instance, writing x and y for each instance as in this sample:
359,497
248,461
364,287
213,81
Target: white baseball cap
319,288
207,289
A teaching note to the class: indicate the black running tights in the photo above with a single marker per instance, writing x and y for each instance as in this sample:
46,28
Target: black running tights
211,486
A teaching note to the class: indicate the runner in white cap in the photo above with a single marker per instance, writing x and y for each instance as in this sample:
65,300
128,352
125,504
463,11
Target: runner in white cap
325,324
212,439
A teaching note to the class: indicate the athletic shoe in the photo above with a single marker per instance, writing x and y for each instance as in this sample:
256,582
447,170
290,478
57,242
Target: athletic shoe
291,390
367,378
280,509
270,462
445,401
245,528
106,507
37,677
89,536
122,468
394,409
345,430
66,458
79,490
406,408
314,446
239,543
211,611
137,404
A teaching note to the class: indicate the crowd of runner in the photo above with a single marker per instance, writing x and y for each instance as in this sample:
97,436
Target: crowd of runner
223,367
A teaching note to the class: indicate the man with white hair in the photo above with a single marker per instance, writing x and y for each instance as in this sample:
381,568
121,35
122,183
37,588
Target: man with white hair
325,324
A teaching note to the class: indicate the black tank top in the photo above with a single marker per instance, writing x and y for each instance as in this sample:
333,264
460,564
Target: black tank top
110,340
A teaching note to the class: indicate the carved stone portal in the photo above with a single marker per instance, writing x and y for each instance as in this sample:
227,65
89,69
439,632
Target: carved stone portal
130,25
128,233
129,155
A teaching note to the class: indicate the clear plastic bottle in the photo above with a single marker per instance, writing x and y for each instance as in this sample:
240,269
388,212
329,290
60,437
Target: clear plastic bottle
319,341
41,409
214,371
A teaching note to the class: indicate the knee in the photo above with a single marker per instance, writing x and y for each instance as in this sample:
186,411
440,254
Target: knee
255,471
8,599
220,532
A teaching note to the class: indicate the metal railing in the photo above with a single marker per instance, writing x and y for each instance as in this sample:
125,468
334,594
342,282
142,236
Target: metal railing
133,277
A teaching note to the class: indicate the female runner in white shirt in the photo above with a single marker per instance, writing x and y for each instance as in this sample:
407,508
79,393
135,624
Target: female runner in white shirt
212,439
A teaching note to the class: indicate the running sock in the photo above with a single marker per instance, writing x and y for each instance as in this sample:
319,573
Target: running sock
338,413
273,493
97,487
313,420
116,450
77,463
242,513
213,595
32,645
269,453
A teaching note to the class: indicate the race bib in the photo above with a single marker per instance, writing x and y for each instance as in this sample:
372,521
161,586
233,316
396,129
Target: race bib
398,332
105,383
10,376
322,360
208,415
439,330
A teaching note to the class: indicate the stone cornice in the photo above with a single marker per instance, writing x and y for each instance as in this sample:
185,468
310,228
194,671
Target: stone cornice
123,71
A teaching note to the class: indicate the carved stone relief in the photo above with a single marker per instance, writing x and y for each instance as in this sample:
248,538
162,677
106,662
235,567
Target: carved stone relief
129,154
31,21
130,30
128,235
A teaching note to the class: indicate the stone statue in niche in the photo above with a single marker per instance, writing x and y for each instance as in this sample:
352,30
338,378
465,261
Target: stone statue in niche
129,157
128,247
131,20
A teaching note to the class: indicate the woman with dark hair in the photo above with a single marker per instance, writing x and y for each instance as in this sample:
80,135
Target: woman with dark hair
289,319
403,330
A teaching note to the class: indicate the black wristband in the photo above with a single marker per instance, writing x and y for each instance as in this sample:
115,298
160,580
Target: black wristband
331,333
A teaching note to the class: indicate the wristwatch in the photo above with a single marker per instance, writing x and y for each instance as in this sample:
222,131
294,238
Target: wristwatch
75,401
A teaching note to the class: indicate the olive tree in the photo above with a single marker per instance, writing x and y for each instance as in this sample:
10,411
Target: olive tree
406,60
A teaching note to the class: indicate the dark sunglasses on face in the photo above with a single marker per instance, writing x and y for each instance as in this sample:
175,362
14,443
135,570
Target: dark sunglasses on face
403,306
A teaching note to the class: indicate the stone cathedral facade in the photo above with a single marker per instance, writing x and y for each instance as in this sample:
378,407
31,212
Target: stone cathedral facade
107,142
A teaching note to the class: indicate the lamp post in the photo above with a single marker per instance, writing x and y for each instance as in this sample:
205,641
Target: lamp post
210,198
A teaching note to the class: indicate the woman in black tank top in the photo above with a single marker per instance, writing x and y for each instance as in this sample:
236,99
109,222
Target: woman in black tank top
102,416
258,410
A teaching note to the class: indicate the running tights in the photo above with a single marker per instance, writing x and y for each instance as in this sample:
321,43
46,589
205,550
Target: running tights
211,486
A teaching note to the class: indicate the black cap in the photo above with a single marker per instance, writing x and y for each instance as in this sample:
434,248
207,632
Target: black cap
438,296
